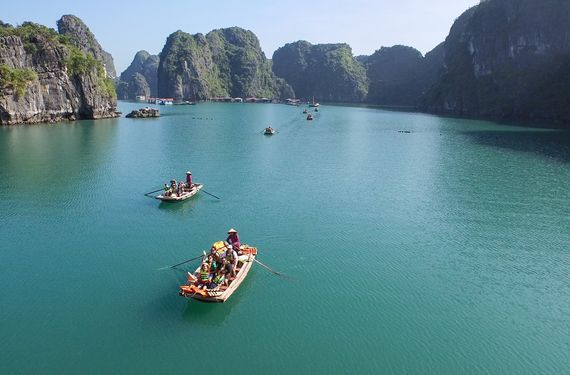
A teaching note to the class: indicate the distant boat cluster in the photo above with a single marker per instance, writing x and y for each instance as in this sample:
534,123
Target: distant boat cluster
226,99
160,101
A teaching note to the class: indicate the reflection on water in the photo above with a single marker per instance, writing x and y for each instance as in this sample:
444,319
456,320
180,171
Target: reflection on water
183,208
549,143
71,155
215,314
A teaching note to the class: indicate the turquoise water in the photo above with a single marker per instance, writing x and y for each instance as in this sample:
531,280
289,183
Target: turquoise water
445,250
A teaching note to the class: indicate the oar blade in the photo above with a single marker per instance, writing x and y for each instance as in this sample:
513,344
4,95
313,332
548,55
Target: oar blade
211,194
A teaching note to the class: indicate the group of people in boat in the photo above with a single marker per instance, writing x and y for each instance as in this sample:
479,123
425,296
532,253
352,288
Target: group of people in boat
219,267
180,187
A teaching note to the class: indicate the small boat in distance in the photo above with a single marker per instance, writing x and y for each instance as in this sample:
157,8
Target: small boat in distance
313,104
269,131
223,292
184,194
305,111
309,117
167,101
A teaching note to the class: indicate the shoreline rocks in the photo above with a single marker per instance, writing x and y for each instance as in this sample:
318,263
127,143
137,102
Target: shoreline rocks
144,113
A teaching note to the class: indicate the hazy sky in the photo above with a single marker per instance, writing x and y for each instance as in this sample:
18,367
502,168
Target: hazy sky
125,27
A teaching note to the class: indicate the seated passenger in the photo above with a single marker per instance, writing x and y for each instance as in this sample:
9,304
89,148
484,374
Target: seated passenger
218,280
203,276
213,262
232,261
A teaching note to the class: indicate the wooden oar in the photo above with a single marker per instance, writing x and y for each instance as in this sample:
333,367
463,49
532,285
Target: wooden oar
186,261
152,192
210,194
267,268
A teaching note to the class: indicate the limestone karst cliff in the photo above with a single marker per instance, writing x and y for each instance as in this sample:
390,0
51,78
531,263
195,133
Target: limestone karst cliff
507,59
328,72
140,78
45,77
224,62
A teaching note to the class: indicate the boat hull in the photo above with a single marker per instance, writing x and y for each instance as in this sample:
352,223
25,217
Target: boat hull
185,195
219,296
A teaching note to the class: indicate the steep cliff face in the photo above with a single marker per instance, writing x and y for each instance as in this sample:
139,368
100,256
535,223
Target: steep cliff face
507,59
43,78
328,72
223,62
81,37
140,78
400,75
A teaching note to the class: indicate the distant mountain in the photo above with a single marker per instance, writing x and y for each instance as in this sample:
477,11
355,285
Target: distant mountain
400,75
502,59
140,78
328,72
49,77
507,59
225,62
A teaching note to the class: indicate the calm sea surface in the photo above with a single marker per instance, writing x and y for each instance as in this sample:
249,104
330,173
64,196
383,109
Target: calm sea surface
445,250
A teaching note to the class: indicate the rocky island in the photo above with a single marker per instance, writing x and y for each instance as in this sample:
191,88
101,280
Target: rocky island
49,76
328,72
140,78
144,113
224,62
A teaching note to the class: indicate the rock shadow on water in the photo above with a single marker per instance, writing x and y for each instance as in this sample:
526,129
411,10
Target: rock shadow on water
552,144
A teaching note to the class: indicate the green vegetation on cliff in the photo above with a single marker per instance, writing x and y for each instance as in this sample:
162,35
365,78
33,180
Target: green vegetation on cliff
30,33
16,79
79,35
80,63
329,72
225,62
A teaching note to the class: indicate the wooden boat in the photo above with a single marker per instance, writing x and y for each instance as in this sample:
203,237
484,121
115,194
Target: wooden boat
182,197
305,112
309,117
269,131
221,294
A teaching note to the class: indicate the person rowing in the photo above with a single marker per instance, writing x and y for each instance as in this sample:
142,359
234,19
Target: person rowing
189,180
233,239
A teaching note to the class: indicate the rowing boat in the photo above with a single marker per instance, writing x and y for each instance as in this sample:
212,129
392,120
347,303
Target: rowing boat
222,293
269,131
185,194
